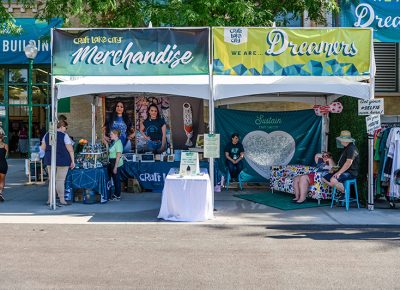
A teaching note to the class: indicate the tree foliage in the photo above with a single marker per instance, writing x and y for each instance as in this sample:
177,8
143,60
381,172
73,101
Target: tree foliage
134,13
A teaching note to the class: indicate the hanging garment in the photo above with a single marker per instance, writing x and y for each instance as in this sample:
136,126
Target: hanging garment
377,140
383,153
393,152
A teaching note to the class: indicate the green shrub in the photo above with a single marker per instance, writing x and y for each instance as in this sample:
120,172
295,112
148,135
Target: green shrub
350,120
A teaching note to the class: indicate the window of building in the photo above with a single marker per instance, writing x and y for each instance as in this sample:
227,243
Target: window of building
387,67
17,76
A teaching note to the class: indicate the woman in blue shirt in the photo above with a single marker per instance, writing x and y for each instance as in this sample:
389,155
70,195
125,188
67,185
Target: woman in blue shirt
64,159
119,120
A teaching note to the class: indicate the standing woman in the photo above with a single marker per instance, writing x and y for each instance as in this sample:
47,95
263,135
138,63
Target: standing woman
64,159
154,130
119,120
115,154
3,163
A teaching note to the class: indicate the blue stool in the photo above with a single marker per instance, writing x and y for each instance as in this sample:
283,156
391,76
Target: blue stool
347,198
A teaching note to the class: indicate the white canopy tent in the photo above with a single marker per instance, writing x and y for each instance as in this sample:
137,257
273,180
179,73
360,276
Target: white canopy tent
194,86
319,90
226,89
197,86
220,90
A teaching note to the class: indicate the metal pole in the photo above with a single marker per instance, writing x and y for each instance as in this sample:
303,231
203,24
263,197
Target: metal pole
53,135
371,136
94,121
30,70
53,144
370,172
211,114
324,133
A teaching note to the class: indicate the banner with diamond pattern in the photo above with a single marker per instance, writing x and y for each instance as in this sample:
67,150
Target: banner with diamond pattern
292,52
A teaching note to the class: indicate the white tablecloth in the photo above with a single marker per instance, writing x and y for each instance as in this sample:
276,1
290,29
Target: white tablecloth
187,198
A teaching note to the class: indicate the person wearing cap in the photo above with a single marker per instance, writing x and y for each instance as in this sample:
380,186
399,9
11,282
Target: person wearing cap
348,162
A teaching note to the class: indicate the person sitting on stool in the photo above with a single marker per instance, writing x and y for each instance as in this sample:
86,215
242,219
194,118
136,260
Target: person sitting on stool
348,162
234,154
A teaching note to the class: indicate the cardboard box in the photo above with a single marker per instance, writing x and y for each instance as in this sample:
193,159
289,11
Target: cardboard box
78,197
133,186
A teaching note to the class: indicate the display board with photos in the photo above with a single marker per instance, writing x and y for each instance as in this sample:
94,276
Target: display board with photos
171,110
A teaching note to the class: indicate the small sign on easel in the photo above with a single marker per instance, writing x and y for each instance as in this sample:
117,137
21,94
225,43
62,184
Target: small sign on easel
371,107
373,123
189,163
211,145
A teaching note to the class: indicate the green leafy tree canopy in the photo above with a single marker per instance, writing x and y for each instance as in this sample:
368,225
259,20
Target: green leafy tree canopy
134,13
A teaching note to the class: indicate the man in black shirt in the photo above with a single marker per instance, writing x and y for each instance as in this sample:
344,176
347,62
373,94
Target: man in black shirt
234,153
348,162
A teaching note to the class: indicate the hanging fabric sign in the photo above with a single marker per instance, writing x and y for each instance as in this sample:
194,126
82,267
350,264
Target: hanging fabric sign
335,107
271,138
188,123
292,52
131,52
382,16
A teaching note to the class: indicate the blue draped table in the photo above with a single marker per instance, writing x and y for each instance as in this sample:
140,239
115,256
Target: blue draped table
96,179
151,175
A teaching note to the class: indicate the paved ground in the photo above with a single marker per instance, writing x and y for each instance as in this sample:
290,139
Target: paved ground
204,256
122,245
26,204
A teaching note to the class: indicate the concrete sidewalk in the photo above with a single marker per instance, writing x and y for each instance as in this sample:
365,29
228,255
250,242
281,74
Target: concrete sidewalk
26,204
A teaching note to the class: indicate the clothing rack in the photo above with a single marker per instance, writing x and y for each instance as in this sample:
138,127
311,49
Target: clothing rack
390,125
384,183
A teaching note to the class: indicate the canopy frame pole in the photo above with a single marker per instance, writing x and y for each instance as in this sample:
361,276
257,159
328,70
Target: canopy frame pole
325,130
371,136
211,111
93,105
53,135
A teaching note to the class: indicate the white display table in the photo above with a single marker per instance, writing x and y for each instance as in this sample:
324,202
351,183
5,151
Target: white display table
187,198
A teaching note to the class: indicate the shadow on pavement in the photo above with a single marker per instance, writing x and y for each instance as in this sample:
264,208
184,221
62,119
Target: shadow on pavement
335,232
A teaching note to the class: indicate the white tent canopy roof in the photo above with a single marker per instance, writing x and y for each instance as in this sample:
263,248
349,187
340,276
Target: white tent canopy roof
243,89
227,89
185,85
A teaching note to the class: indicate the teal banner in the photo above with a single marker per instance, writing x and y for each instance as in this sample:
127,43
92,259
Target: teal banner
12,46
382,16
128,52
271,138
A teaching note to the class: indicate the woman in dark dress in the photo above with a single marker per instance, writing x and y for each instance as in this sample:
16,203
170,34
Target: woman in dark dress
154,130
3,164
